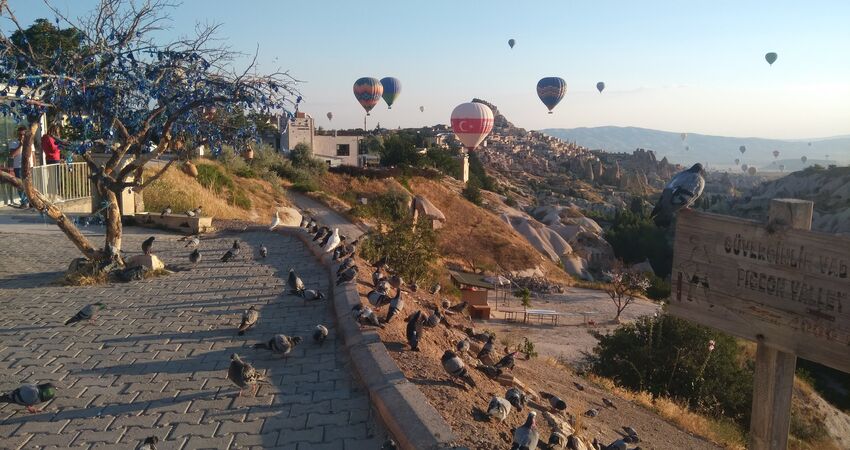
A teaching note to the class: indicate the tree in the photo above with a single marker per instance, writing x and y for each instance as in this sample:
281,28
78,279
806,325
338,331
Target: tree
398,149
623,286
409,248
472,191
524,295
46,40
133,96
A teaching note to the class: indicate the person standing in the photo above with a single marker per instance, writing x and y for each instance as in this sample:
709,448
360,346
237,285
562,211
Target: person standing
17,159
50,145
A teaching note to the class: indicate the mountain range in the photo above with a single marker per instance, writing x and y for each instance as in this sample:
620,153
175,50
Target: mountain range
717,151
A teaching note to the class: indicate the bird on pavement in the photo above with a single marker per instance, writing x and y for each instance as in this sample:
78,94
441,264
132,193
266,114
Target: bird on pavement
321,233
554,401
194,241
296,286
516,398
378,298
462,346
243,374
414,330
487,349
377,276
249,319
558,439
592,412
459,308
526,436
389,444
312,294
264,251
396,305
30,395
507,362
276,222
455,367
194,212
147,245
365,316
498,409
435,318
332,242
490,371
347,275
280,343
89,312
320,333
608,403
630,431
232,253
346,263
165,211
578,385
680,193
148,444
619,444
574,442
195,256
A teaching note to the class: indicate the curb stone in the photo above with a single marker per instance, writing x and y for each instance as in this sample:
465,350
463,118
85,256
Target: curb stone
402,407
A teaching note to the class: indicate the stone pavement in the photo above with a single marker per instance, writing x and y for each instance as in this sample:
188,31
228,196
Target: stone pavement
325,215
155,362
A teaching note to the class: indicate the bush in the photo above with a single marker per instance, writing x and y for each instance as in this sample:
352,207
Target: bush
635,238
472,191
213,178
391,206
659,289
671,357
510,201
410,248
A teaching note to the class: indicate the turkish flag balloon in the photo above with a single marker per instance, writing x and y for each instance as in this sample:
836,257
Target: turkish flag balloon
471,123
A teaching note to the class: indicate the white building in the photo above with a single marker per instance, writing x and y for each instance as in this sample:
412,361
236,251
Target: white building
333,149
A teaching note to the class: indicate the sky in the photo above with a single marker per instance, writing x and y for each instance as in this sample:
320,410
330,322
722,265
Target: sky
684,66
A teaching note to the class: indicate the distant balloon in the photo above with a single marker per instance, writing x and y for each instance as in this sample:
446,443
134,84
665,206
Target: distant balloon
392,89
804,159
744,167
775,154
368,92
512,42
600,86
687,147
330,116
737,161
771,58
551,90
683,136
421,109
782,167
751,171
827,156
810,144
742,149
471,123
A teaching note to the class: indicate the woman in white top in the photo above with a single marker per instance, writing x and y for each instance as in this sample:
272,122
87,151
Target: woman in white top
17,158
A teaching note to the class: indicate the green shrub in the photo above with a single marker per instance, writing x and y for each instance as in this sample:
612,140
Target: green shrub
635,238
525,296
659,289
527,348
306,186
213,178
472,191
510,201
240,199
410,248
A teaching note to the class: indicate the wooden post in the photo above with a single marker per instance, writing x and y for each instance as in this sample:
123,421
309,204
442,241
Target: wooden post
774,370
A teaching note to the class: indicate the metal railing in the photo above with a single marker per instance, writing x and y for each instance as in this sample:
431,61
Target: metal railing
58,182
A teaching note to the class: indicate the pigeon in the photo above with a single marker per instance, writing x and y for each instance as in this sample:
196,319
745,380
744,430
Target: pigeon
305,222
321,233
557,440
350,249
609,403
296,286
378,298
396,305
435,289
507,362
554,401
414,329
435,318
516,398
249,319
681,192
30,395
630,431
195,256
312,294
147,245
389,444
320,333
462,346
459,308
596,445
346,263
487,350
619,444
347,275
89,312
490,371
455,367
149,443
366,316
574,442
332,242
194,241
337,254
592,412
194,212
526,436
132,273
243,374
232,253
413,286
280,343
263,251
276,222
498,409
578,385
165,211
381,263
377,276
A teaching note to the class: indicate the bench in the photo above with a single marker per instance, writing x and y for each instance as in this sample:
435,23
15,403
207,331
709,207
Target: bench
177,222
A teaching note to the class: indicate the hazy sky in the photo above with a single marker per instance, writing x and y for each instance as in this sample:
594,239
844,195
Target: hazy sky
694,66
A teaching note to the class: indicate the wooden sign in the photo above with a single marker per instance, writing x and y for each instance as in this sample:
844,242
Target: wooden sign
786,288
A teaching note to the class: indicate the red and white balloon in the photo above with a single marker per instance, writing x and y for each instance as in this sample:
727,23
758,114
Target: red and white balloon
471,123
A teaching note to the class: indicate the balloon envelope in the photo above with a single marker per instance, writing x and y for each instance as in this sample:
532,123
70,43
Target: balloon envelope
776,153
804,159
751,171
683,136
782,167
421,109
687,147
392,88
771,58
737,161
551,90
471,123
600,86
744,168
330,116
368,92
742,149
512,42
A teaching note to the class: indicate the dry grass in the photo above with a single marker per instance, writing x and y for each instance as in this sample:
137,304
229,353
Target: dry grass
81,279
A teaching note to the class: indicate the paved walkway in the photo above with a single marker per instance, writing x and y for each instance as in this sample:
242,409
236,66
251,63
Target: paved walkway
155,363
325,215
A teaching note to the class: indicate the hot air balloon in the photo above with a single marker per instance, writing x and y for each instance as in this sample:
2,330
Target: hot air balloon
751,171
421,109
687,147
737,161
683,136
368,92
512,42
782,167
392,88
810,144
827,156
804,159
471,123
600,86
330,116
744,167
551,90
775,154
771,58
742,149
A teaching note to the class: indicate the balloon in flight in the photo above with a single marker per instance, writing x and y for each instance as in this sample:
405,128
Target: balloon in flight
330,116
771,57
471,123
775,154
421,109
551,90
744,167
742,149
392,89
368,92
512,42
683,136
804,159
737,161
600,86
782,167
751,171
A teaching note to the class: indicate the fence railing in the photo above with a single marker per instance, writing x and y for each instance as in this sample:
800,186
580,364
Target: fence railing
58,182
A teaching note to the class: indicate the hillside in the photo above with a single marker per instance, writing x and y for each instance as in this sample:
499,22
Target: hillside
718,151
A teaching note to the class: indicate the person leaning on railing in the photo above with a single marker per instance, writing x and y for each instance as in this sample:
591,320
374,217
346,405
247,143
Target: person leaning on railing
50,144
